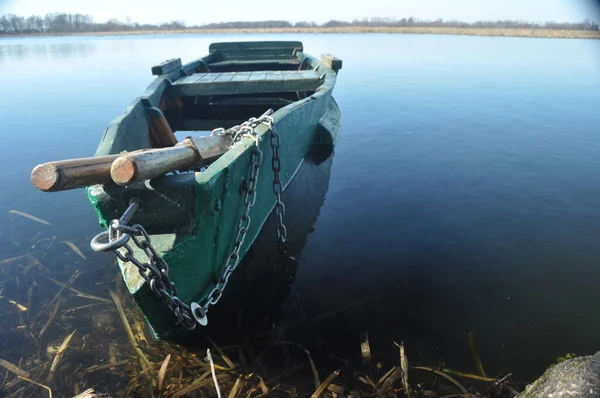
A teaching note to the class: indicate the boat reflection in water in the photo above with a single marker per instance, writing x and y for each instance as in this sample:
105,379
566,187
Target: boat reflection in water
262,282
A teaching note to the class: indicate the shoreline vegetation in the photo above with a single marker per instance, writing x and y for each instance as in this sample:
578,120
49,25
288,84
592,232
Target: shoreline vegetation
61,24
492,32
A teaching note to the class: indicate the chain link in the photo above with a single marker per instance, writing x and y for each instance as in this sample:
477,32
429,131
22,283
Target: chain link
246,129
277,185
233,259
155,270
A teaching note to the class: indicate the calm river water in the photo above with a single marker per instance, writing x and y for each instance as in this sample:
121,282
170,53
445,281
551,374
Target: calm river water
464,195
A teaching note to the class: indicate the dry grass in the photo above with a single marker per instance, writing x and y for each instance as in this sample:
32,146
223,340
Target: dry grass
500,32
65,341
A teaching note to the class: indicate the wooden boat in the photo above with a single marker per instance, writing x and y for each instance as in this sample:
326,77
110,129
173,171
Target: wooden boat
181,214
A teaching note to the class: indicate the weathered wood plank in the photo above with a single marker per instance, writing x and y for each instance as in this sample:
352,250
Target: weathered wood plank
249,82
225,77
290,75
240,76
274,75
256,46
331,62
245,56
308,74
167,66
192,78
259,75
200,77
209,77
244,62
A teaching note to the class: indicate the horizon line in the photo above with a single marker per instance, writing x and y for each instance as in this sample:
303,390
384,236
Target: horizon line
128,21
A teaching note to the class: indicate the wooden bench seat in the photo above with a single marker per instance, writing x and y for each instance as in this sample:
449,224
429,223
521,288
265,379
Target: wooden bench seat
290,61
229,83
256,49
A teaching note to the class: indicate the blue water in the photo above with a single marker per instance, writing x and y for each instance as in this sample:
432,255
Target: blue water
464,193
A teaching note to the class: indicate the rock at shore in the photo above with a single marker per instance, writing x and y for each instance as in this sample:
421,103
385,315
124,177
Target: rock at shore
577,377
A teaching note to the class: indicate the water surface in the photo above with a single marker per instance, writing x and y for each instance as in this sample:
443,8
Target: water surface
463,195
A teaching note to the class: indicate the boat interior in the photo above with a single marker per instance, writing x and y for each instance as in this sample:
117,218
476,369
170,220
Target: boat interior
236,82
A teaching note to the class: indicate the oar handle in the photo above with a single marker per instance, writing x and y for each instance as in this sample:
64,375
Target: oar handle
132,167
129,167
189,153
74,173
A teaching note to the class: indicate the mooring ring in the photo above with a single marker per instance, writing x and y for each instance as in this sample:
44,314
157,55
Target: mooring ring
98,246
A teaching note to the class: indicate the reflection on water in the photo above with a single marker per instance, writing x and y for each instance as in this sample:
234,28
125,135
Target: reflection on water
263,281
23,51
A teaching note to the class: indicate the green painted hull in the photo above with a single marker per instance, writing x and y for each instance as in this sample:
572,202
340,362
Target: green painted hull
192,217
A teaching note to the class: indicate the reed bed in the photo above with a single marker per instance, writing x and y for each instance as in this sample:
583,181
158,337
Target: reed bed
60,340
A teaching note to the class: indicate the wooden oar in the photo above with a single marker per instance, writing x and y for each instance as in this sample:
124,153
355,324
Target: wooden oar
191,152
73,173
133,167
129,167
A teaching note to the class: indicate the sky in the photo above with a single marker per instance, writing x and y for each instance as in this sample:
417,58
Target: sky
199,12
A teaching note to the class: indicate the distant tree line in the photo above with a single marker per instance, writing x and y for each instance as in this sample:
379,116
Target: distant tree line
78,23
586,24
74,23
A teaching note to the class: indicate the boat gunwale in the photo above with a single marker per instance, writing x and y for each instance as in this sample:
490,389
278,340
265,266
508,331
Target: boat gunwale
155,91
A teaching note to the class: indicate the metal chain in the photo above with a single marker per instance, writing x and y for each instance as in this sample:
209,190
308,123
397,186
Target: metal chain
247,129
277,185
233,259
155,271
